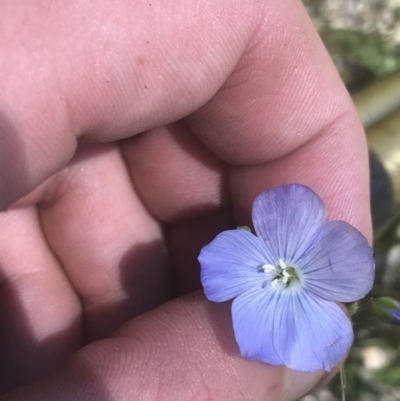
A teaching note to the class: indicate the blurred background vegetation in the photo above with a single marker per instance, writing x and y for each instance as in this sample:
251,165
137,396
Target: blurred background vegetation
363,38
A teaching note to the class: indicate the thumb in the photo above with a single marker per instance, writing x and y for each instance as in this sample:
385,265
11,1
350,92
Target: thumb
184,350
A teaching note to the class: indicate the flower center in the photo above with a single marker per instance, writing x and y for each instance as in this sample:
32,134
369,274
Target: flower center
283,275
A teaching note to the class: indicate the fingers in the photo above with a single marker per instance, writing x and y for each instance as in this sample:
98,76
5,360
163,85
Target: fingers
89,258
84,70
183,350
111,248
283,91
40,313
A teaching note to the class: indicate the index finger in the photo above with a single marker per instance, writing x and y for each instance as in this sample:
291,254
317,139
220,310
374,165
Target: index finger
284,116
84,71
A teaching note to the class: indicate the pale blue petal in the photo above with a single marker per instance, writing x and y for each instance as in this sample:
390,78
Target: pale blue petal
340,267
254,314
287,218
231,264
295,330
311,334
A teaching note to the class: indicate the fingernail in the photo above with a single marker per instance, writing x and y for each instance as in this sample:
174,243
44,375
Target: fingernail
297,384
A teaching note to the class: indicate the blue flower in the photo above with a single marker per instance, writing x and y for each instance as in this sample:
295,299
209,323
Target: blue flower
286,281
386,309
395,317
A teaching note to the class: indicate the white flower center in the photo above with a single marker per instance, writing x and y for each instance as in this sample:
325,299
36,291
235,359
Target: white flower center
283,276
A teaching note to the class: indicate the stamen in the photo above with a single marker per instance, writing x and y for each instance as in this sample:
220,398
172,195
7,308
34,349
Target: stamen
274,283
268,268
282,275
285,277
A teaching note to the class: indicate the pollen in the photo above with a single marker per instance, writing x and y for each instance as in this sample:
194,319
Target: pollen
269,268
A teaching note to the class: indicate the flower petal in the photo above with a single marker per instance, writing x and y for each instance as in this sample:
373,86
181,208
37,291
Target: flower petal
311,334
231,263
288,218
340,266
295,330
253,315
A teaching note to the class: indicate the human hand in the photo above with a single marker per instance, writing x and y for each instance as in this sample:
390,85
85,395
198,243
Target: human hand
135,131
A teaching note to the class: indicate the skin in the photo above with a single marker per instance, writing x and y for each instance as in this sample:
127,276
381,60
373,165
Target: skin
132,132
